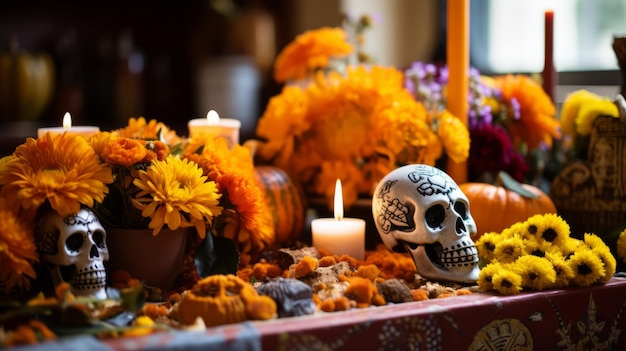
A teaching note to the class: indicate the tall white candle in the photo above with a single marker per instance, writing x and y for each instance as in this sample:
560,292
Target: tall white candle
213,126
339,235
84,131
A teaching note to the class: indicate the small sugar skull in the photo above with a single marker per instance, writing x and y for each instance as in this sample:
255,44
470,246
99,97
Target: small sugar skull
419,209
74,249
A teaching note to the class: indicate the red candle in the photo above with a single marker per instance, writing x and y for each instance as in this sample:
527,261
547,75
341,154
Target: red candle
457,47
549,72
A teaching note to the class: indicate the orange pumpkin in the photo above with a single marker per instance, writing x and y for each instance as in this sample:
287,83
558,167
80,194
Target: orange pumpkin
497,207
286,201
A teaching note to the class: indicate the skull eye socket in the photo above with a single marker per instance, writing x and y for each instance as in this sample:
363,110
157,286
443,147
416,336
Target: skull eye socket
461,209
74,242
435,215
98,239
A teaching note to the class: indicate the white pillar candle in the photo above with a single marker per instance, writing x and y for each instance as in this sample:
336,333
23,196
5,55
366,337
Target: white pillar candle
84,131
339,235
213,126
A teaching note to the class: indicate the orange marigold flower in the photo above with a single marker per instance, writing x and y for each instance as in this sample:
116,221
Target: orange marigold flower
139,128
18,252
537,123
310,51
306,266
124,152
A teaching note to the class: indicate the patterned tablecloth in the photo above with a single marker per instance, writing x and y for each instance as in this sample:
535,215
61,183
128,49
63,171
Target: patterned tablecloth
570,319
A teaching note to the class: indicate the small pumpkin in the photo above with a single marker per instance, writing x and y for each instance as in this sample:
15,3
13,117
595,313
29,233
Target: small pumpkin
286,201
498,206
223,299
26,83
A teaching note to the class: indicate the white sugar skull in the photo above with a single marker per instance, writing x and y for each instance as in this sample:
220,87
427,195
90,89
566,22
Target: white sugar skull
74,249
420,209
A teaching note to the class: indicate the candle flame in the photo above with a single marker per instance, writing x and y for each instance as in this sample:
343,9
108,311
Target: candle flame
338,200
67,121
213,117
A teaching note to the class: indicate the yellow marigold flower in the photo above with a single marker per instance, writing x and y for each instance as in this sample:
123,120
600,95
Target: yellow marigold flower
454,136
563,270
519,228
621,246
587,267
589,111
100,140
569,246
571,107
580,110
548,227
485,277
537,123
486,246
540,248
18,252
62,169
124,152
310,51
507,282
175,193
509,249
537,272
600,248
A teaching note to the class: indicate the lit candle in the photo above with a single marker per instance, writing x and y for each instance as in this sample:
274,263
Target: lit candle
339,235
457,46
549,72
84,131
213,126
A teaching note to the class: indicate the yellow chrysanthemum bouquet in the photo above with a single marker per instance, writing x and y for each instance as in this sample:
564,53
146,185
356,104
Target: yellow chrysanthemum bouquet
355,122
539,254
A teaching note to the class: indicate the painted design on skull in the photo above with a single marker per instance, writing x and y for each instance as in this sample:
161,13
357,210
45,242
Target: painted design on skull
393,215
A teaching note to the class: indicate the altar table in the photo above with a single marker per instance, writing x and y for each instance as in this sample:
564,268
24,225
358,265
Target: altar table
569,319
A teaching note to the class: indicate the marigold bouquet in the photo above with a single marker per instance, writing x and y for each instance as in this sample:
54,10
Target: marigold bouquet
355,122
163,180
139,176
511,119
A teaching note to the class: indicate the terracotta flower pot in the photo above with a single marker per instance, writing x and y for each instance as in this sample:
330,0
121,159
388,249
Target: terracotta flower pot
155,260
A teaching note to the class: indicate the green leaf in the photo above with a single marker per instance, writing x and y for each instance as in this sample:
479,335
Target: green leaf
216,255
505,180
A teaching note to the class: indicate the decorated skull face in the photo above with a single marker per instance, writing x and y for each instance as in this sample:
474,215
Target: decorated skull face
420,209
74,249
